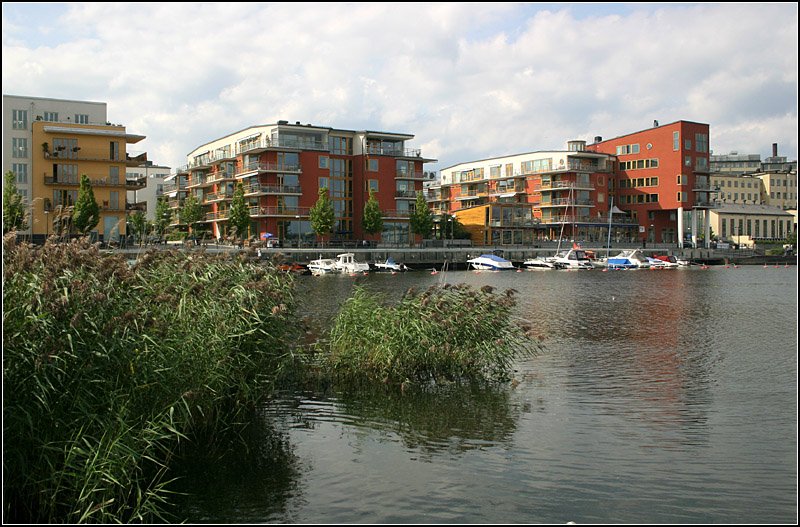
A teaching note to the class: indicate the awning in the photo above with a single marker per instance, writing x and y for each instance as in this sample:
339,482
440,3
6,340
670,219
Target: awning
615,210
507,195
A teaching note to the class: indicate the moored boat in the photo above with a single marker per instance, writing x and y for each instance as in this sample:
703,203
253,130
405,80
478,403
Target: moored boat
572,259
346,263
322,266
390,265
490,262
538,263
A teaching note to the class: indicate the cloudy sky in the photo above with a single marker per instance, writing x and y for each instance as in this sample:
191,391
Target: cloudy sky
469,80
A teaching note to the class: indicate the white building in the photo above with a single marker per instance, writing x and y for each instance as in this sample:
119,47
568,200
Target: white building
145,199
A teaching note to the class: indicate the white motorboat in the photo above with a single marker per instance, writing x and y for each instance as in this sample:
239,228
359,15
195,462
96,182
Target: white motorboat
346,263
632,259
490,262
538,263
390,265
322,266
573,259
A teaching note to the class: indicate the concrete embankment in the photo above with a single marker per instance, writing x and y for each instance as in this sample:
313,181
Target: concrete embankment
456,257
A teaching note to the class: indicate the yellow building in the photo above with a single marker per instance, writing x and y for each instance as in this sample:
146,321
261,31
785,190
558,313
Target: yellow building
61,153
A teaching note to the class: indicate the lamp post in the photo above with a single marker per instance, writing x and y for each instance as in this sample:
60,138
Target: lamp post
452,228
46,224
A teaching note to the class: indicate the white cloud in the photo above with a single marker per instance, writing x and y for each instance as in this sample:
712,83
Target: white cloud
469,80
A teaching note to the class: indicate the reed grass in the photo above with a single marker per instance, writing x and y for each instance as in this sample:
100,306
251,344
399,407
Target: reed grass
445,333
110,370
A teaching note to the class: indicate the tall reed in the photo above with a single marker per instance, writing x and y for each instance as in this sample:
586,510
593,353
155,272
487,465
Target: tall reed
445,333
109,369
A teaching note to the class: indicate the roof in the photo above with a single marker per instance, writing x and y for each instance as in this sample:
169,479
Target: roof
750,210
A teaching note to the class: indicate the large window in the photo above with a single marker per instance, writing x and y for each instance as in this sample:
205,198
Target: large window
19,147
51,116
701,142
81,118
676,141
21,171
19,119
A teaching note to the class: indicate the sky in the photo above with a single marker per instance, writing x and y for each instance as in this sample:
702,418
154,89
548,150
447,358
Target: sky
468,80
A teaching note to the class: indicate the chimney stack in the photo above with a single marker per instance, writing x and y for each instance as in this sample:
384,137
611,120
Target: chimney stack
774,149
655,123
598,139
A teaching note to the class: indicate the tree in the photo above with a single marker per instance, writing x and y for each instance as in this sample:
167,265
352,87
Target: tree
138,225
14,217
86,213
421,219
192,211
322,215
163,216
239,214
373,217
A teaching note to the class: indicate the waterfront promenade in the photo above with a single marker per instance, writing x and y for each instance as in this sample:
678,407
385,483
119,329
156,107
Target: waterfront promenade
456,257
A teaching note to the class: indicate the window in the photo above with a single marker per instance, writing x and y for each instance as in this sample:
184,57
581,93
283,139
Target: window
687,144
701,163
372,165
81,118
113,150
51,116
323,162
19,119
323,182
19,147
701,142
676,141
372,185
21,171
687,161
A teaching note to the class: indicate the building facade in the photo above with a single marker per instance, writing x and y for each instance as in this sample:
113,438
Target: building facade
67,151
531,197
19,112
748,224
282,166
662,179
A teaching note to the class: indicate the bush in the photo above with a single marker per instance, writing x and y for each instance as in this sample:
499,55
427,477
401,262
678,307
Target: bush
109,369
445,333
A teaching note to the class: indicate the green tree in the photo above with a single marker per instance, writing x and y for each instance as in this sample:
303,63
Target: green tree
163,216
321,214
86,213
192,212
373,217
138,225
239,214
14,216
421,219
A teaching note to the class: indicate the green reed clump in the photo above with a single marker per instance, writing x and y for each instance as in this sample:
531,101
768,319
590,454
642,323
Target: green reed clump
109,370
444,333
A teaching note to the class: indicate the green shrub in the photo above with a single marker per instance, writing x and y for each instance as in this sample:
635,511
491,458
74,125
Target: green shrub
445,333
109,369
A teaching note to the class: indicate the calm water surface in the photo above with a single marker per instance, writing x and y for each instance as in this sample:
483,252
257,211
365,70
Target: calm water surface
661,396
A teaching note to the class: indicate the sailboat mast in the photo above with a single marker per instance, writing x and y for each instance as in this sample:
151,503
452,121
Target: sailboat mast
610,212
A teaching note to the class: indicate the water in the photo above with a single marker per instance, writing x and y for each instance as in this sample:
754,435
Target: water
661,397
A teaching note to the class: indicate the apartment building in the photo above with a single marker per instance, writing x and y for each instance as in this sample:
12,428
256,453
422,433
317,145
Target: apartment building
19,112
531,197
282,166
662,179
145,199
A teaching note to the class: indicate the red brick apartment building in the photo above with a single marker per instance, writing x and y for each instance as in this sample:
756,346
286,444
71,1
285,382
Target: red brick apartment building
642,185
282,167
661,174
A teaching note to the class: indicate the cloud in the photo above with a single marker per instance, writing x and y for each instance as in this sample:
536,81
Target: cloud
469,80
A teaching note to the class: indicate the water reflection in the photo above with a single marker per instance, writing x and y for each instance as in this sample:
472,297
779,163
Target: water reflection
251,482
449,419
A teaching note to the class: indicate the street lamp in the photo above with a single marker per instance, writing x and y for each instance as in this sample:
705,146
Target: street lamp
452,228
46,224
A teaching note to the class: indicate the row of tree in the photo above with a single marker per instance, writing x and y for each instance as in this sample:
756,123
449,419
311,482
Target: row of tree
85,214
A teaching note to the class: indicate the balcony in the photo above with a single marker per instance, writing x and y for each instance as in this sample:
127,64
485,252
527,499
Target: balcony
566,202
262,190
564,185
136,184
280,211
74,181
259,168
416,176
139,206
405,194
217,196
